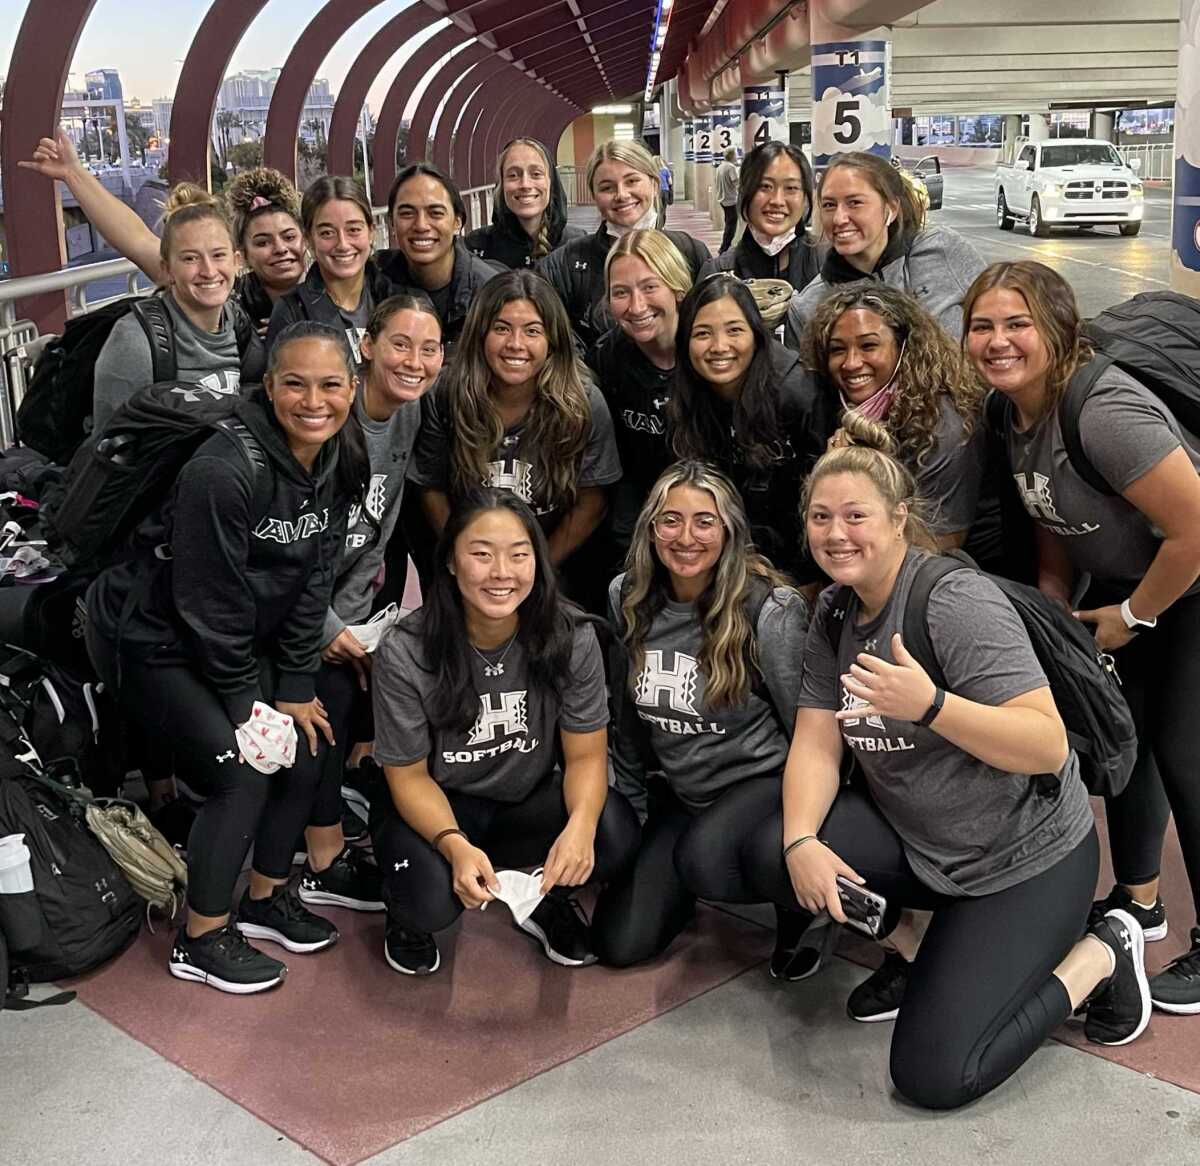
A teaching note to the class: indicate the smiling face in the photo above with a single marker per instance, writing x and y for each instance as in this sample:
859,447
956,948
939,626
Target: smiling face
854,537
406,357
341,239
778,205
1006,347
623,195
525,180
311,391
423,221
855,217
202,266
515,347
862,354
494,566
721,345
274,250
688,538
641,303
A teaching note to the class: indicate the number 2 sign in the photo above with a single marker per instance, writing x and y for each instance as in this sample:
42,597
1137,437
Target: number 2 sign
851,99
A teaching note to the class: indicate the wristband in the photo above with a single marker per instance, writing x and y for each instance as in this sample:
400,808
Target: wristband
1132,622
445,834
939,699
799,842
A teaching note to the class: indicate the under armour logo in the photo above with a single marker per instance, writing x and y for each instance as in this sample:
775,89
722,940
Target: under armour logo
1126,939
401,865
581,265
223,757
870,645
659,402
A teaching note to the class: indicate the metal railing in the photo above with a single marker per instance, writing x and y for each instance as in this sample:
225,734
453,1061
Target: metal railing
1157,158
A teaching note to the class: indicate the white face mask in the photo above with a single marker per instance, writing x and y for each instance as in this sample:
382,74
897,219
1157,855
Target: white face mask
772,246
647,222
521,892
267,741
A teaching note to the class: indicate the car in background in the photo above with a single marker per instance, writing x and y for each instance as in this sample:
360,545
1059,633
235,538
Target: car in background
926,172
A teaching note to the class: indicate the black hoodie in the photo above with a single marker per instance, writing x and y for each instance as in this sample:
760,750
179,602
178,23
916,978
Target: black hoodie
240,585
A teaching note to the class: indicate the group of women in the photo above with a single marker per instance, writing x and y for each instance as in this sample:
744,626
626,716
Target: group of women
694,481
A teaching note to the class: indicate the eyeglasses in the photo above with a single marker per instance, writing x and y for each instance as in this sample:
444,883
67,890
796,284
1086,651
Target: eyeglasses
705,527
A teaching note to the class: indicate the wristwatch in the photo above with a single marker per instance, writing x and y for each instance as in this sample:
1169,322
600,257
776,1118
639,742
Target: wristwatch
1132,622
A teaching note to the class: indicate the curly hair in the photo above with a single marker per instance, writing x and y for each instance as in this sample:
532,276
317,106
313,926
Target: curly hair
931,365
728,645
251,187
556,429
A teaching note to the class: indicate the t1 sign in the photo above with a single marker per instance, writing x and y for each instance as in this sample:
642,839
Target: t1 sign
851,99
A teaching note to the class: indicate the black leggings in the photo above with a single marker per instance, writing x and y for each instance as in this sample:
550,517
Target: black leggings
683,856
1160,672
981,996
731,221
178,709
418,888
338,690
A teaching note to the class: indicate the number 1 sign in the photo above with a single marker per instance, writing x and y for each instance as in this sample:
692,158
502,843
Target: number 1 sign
851,99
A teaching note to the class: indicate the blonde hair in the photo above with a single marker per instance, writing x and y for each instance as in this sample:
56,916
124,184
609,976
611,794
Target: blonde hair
631,154
728,644
541,244
658,253
867,448
188,203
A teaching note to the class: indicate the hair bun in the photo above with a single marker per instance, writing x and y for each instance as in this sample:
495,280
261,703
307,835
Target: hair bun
187,194
249,190
859,430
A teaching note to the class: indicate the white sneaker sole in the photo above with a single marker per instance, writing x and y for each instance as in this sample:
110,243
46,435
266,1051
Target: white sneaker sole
258,931
196,975
535,932
437,963
1154,934
877,1018
1177,1009
329,899
1138,955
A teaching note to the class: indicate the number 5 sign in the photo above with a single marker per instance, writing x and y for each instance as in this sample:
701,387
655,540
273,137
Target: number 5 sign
851,99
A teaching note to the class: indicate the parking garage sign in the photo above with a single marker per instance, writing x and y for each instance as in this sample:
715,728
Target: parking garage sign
851,99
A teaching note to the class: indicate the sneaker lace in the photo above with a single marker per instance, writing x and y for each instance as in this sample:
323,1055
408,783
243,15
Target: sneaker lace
1188,963
234,946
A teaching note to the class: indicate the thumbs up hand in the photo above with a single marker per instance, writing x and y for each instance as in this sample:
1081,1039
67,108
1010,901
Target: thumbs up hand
902,690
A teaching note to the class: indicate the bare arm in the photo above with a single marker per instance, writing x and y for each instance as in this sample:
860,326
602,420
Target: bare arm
578,523
1056,575
436,505
585,789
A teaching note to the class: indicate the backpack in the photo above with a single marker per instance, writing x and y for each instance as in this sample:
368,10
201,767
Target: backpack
120,476
1082,678
55,413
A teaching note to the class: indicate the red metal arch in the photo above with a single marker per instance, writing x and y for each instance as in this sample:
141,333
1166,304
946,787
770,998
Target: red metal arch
367,66
196,94
457,99
520,114
483,99
483,151
298,73
37,76
437,88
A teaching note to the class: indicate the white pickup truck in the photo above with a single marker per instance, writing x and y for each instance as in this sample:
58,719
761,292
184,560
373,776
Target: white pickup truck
1068,182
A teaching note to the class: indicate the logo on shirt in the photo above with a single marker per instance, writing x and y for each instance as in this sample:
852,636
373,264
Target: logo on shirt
642,422
508,717
678,685
1039,502
354,338
850,702
376,504
283,530
213,385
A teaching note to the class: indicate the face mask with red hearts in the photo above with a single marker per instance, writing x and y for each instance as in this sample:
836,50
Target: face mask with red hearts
267,741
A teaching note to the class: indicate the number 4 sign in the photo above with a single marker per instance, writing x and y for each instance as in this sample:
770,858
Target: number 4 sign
851,99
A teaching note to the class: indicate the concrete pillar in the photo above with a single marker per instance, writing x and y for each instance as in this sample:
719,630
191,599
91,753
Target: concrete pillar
852,108
1102,125
1185,203
1039,127
764,114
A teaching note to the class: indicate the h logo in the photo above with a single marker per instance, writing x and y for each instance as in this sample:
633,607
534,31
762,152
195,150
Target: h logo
515,476
1035,493
510,717
849,702
678,683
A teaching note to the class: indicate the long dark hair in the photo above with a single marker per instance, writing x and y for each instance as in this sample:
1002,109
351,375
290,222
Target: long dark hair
754,166
545,627
701,433
353,470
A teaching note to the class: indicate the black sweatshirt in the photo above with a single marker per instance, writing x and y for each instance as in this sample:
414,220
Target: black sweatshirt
241,584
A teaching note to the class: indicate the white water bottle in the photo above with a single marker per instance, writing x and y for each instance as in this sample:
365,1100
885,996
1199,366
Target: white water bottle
16,875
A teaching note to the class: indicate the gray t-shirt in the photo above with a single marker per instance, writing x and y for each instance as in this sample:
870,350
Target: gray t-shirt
727,183
510,747
389,447
699,750
1126,431
599,465
208,360
967,828
949,478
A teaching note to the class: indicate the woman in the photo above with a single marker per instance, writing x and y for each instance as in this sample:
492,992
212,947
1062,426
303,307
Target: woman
714,637
201,647
1139,540
949,816
624,183
634,363
775,199
514,411
745,403
875,225
473,691
402,355
343,285
529,217
262,203
212,341
427,214
875,350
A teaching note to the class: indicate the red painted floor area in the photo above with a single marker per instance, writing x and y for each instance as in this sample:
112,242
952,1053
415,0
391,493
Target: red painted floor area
348,1057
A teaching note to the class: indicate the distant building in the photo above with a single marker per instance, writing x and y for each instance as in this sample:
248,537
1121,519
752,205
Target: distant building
247,97
103,85
162,115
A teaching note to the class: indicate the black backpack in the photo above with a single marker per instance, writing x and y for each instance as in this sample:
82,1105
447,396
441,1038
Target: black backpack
120,476
55,413
1083,679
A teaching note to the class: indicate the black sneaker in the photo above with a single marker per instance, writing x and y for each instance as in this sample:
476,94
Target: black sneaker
412,953
880,995
351,880
354,827
1153,920
799,945
1119,1009
558,924
283,919
1177,987
223,959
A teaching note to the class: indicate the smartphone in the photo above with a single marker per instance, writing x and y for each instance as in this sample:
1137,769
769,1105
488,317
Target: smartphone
864,909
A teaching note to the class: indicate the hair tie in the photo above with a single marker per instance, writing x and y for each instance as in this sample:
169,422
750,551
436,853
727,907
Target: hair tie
258,202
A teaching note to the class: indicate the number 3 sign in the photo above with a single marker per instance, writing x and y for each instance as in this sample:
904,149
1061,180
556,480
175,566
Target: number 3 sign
851,99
